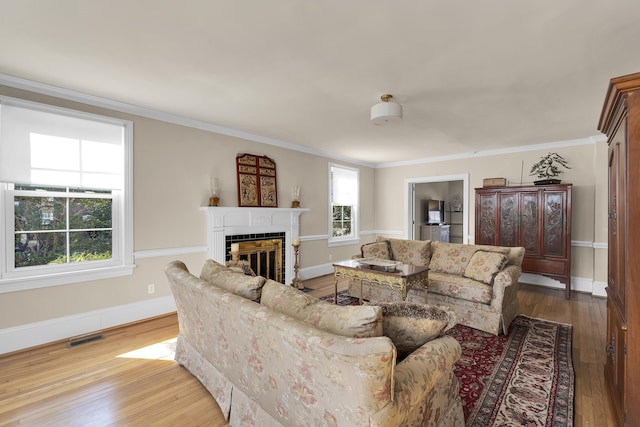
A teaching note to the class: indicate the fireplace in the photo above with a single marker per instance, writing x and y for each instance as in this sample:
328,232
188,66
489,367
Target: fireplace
225,224
263,252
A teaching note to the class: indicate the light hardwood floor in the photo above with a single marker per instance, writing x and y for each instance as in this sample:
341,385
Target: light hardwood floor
126,379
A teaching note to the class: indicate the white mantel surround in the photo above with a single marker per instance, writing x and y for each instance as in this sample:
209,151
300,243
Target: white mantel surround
231,221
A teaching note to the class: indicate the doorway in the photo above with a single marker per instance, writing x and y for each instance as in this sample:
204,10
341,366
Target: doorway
452,189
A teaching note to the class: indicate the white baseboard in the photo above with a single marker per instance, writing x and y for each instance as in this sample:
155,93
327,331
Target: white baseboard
38,333
316,271
578,284
599,289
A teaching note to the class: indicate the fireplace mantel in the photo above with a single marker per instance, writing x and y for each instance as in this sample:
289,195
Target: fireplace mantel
231,221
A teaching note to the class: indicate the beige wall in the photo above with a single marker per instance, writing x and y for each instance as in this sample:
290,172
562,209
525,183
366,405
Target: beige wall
172,166
588,176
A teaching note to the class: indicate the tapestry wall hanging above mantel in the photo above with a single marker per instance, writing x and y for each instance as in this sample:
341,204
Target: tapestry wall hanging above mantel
256,181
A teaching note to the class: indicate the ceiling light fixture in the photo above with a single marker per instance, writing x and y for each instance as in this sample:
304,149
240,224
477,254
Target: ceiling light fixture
386,112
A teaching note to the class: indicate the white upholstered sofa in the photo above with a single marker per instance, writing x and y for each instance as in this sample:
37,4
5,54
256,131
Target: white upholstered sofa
271,355
478,282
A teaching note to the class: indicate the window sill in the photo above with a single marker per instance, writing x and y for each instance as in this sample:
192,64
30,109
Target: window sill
36,282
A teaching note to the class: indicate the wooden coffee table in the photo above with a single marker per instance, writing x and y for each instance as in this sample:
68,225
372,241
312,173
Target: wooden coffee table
399,277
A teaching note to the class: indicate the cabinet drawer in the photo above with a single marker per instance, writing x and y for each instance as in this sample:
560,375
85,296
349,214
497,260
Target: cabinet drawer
550,266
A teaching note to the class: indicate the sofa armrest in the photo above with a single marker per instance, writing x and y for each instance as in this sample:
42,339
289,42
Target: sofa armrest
513,271
432,361
505,284
507,276
415,377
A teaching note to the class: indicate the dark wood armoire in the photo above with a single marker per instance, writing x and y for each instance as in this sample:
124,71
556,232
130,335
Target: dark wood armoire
537,218
620,121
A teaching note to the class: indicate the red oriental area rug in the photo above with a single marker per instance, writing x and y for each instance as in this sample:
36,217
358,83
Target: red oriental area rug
525,378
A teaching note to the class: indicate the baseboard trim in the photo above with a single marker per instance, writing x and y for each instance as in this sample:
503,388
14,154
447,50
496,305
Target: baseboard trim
316,271
39,333
578,284
599,289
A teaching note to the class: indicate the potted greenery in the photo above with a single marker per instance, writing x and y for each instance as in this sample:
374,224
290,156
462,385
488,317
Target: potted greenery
548,168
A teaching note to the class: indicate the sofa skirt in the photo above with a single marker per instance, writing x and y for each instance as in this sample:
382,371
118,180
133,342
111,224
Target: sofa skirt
214,381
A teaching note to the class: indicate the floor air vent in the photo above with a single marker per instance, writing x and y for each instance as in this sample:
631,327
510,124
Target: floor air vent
84,340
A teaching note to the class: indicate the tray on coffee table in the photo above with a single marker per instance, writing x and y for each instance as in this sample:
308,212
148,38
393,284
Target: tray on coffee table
382,264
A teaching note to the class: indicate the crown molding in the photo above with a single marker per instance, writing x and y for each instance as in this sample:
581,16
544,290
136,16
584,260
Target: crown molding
96,101
519,149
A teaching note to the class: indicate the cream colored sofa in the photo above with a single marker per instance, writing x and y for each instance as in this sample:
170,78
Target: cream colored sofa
267,368
482,291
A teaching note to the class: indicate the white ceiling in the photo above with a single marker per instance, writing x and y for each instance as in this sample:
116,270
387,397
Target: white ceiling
471,75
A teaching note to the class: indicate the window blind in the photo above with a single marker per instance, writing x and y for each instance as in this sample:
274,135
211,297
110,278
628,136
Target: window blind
344,186
39,147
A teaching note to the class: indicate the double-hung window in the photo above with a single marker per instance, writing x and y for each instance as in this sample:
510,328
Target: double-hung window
343,205
65,194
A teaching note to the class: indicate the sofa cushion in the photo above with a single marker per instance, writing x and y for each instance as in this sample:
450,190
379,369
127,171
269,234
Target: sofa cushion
514,254
484,266
378,250
416,252
235,282
451,258
348,321
459,287
410,325
210,269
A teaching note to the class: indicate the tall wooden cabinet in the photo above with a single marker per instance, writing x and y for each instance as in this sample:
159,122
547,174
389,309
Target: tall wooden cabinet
537,218
620,121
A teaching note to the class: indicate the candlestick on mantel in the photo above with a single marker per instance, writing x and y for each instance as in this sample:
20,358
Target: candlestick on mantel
214,199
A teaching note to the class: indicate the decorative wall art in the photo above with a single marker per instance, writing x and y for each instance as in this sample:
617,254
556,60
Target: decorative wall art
256,181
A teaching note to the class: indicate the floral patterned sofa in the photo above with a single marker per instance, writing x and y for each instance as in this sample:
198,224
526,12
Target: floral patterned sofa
478,282
272,355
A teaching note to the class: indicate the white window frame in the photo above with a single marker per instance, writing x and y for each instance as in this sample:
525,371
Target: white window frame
354,238
122,261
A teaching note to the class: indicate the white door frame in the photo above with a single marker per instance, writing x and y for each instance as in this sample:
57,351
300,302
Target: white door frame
409,202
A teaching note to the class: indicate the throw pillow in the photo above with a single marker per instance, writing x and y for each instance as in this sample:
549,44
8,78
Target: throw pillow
235,282
378,250
514,254
416,252
484,266
210,269
348,321
240,284
451,258
411,325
